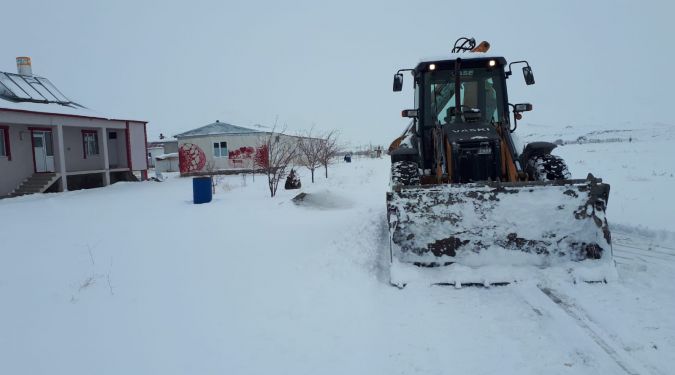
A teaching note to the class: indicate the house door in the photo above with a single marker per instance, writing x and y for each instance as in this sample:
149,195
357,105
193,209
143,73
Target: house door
113,156
43,151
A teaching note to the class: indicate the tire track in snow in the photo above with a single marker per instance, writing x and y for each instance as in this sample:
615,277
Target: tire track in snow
645,254
614,350
642,247
632,260
649,250
648,241
635,255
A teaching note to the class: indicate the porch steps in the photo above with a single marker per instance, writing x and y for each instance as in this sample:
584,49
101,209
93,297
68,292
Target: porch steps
37,183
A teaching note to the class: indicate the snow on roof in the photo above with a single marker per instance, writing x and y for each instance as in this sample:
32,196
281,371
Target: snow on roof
216,128
56,108
172,155
59,109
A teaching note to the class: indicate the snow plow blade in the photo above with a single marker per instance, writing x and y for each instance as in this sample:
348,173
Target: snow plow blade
494,233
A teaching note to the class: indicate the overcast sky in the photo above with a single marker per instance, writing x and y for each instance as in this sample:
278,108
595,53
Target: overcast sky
180,65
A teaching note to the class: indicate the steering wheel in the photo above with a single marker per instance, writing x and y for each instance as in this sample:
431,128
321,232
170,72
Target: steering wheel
459,117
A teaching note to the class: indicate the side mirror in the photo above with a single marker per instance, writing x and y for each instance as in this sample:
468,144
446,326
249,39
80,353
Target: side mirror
529,77
523,107
410,113
398,82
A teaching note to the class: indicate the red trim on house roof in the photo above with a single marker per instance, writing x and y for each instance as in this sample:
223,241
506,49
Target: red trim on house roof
128,136
67,115
5,134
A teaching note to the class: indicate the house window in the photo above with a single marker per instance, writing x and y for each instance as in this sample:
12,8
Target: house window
220,149
4,142
90,142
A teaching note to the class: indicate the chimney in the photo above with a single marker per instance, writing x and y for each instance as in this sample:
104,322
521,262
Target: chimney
23,66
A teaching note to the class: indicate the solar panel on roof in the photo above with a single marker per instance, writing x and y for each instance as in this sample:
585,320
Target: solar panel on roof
45,82
20,88
12,87
26,87
41,89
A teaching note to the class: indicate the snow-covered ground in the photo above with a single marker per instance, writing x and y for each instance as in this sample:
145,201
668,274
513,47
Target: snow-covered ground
636,160
135,279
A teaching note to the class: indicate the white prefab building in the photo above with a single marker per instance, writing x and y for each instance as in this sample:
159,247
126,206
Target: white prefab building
169,147
222,146
50,143
167,162
153,153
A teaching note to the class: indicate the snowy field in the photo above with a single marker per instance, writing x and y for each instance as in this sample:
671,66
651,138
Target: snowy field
135,279
636,160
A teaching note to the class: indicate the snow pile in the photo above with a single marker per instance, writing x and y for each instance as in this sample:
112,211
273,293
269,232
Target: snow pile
171,155
324,200
476,226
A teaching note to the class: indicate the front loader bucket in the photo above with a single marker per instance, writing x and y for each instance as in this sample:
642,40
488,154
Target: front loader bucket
493,233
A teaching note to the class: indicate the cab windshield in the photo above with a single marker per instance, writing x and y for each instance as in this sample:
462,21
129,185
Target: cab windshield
480,95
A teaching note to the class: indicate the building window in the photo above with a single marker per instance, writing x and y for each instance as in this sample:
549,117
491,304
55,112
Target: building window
89,142
4,142
220,149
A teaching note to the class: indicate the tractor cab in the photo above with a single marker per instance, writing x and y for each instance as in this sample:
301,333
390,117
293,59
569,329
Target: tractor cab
461,123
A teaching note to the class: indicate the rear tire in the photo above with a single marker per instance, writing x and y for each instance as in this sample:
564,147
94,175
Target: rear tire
547,167
405,173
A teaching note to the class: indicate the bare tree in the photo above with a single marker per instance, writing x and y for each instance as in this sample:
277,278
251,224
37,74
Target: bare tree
328,150
273,157
210,169
309,151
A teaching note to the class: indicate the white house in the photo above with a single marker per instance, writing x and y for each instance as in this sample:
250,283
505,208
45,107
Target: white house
50,143
223,145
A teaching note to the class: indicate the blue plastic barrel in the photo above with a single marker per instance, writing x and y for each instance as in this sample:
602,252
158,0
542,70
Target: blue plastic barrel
201,190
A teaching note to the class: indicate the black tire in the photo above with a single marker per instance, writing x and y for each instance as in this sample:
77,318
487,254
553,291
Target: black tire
405,173
547,167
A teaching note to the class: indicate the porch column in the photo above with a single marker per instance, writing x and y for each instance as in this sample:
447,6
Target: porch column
106,158
62,157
